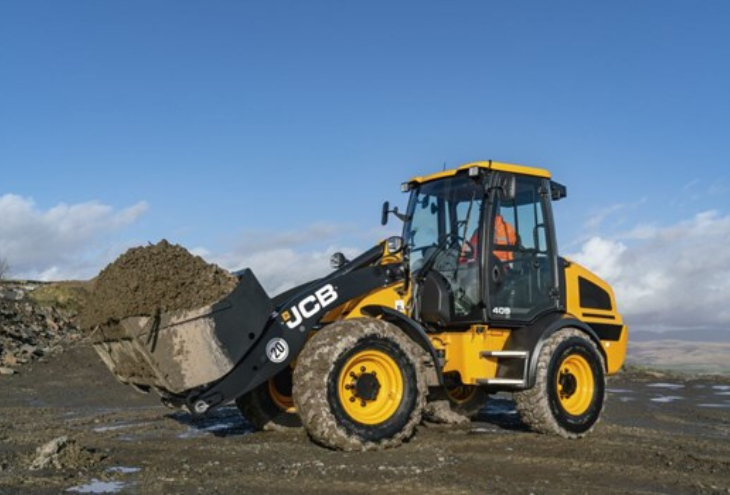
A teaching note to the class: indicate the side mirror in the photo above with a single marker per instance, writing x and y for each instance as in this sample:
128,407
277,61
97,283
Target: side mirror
386,210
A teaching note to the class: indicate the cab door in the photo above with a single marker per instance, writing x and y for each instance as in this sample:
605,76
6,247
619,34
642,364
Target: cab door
521,256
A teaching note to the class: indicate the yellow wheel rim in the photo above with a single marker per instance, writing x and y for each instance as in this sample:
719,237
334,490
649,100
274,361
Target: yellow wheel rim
461,394
282,401
370,387
575,384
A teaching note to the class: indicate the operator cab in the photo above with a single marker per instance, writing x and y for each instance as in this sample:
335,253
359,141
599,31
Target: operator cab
480,246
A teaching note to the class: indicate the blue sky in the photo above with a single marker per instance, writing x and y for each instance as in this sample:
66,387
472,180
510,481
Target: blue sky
212,123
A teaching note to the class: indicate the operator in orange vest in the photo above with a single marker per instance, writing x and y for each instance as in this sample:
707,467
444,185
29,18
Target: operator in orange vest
504,235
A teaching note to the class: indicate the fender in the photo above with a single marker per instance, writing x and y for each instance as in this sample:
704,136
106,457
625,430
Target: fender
411,328
533,338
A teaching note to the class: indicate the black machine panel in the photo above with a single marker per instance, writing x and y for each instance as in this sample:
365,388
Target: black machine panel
592,296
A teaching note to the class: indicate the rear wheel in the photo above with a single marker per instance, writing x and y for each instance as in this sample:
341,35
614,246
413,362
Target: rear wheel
360,385
454,403
270,406
570,387
466,400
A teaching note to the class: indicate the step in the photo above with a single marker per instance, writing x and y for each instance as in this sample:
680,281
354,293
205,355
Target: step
502,381
504,354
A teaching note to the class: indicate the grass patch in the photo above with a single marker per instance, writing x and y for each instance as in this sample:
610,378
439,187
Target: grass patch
65,295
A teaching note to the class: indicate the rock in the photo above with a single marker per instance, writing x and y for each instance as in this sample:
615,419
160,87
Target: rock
29,329
12,294
51,323
6,371
28,349
47,454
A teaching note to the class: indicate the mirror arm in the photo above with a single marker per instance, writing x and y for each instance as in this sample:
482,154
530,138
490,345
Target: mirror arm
400,216
386,210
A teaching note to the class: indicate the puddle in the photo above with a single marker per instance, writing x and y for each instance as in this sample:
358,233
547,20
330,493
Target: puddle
98,486
716,406
619,391
114,427
500,413
139,436
123,469
488,431
499,406
670,386
626,399
226,427
666,399
722,387
722,393
223,422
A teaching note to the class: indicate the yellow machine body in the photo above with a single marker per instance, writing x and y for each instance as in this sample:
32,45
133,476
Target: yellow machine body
463,351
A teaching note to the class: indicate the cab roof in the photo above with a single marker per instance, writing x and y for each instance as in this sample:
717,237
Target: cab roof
489,165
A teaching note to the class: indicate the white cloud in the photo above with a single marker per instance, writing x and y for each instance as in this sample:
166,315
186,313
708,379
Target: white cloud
595,220
672,277
65,241
602,256
286,259
282,269
618,213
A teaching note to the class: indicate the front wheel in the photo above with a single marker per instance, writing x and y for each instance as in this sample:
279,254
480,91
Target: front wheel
360,385
570,387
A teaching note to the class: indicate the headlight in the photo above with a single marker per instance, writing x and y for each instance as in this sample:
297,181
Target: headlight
394,244
338,260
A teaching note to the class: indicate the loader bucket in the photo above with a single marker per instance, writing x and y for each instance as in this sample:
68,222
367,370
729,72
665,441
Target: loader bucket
176,352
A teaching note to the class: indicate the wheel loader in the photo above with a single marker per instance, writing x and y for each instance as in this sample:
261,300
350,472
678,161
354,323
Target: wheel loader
472,299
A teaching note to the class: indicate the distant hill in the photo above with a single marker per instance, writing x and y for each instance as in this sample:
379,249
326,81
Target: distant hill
702,335
692,351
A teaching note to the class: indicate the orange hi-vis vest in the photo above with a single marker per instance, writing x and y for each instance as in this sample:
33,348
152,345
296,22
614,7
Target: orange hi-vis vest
504,235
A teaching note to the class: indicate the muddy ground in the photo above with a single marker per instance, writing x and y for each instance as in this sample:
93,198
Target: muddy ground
659,435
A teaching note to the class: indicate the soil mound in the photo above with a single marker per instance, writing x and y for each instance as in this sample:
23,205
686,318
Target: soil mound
151,279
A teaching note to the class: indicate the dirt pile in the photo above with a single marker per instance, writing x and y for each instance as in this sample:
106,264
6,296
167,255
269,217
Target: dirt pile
151,279
29,330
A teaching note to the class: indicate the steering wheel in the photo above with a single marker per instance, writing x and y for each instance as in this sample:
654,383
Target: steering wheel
432,253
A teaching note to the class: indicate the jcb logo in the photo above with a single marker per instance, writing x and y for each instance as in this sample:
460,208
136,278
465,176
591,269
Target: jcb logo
309,306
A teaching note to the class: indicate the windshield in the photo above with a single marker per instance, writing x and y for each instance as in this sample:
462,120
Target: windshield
443,235
445,214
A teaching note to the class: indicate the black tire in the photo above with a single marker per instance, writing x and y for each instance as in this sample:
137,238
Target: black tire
467,400
322,369
542,408
266,412
454,404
